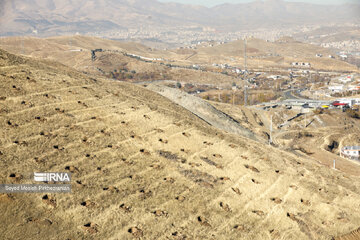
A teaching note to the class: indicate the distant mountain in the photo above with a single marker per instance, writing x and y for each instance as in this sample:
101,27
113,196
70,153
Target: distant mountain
278,13
57,17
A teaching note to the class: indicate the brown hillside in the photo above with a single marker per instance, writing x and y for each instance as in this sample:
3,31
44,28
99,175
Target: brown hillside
143,167
261,54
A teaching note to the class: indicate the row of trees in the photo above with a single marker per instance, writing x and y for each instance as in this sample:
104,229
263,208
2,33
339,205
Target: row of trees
126,75
237,98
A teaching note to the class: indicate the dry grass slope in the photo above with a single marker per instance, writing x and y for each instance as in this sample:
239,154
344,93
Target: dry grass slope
143,167
354,235
261,54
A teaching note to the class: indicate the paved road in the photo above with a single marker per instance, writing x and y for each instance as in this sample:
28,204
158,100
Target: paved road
288,94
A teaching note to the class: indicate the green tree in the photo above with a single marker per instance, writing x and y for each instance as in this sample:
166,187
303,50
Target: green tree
178,85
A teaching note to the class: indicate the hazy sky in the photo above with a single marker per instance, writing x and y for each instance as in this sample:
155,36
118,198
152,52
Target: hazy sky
210,3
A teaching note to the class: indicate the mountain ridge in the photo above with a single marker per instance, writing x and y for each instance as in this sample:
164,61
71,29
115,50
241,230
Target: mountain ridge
50,17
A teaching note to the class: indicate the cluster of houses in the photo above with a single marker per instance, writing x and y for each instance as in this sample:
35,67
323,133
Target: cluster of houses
227,66
342,88
344,83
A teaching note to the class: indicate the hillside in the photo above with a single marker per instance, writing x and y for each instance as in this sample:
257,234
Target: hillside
261,54
44,47
329,34
143,166
279,54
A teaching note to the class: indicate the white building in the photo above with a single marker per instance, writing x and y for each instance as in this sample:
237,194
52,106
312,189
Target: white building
352,152
336,88
343,56
301,64
346,79
354,88
275,77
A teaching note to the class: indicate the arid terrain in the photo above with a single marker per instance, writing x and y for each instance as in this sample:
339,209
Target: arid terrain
75,51
144,167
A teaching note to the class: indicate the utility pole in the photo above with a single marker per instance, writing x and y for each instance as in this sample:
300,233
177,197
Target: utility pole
271,122
234,88
245,87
